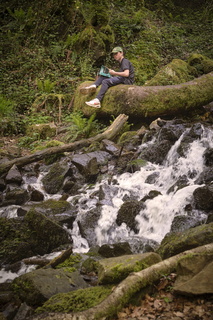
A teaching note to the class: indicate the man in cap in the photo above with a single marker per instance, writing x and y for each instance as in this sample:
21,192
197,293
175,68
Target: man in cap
125,75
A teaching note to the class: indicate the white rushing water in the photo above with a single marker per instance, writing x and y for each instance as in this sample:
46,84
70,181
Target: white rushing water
155,220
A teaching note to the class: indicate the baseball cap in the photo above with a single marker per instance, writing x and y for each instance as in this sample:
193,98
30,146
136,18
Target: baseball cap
117,49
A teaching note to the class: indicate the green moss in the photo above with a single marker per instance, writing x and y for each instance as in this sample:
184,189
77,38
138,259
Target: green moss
201,63
178,71
78,300
73,260
53,206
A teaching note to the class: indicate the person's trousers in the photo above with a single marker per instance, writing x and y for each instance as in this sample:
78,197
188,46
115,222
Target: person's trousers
106,83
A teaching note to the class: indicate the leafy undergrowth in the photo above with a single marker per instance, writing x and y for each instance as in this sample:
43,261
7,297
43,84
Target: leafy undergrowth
165,305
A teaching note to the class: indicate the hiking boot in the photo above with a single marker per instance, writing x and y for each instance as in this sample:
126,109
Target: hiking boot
89,89
94,103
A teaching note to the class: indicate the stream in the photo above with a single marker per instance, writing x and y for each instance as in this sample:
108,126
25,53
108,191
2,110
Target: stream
154,221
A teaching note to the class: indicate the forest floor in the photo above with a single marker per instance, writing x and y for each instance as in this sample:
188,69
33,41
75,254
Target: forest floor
164,304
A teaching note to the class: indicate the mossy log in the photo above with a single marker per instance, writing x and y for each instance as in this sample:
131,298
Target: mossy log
140,102
127,288
110,133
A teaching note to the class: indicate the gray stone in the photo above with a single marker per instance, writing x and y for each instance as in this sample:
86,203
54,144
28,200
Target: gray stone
38,286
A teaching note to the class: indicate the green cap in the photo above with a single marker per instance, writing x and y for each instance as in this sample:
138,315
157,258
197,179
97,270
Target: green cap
117,49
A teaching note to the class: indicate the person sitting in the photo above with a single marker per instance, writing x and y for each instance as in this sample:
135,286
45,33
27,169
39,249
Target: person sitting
125,75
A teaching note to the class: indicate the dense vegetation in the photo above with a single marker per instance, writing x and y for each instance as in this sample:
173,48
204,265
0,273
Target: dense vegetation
48,47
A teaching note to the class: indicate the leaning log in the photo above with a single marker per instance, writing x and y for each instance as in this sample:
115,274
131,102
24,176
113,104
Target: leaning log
141,102
110,133
127,288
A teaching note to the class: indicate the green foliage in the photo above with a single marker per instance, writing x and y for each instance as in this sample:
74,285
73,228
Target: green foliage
57,42
82,127
6,107
45,86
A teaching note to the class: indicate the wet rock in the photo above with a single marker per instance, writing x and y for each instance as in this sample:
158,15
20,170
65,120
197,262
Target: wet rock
59,211
206,177
88,163
53,180
113,270
203,198
152,178
36,195
181,223
170,132
38,286
151,195
88,224
115,250
208,157
2,185
45,235
181,183
127,213
156,153
14,238
210,217
14,176
194,133
174,243
16,196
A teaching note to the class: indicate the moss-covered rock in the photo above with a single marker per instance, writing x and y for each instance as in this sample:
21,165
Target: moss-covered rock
113,270
175,243
43,131
38,286
201,63
177,71
79,300
14,238
45,235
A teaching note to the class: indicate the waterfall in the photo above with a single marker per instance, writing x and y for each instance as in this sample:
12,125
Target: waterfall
155,220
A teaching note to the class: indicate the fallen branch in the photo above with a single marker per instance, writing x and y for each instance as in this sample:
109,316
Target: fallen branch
127,288
110,133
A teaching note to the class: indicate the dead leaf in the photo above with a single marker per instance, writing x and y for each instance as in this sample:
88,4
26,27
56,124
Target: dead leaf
157,304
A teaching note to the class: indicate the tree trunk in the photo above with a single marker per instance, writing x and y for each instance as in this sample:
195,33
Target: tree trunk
140,102
111,132
127,288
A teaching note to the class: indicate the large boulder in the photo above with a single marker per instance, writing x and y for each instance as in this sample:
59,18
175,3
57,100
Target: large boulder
38,286
194,275
174,243
45,235
113,270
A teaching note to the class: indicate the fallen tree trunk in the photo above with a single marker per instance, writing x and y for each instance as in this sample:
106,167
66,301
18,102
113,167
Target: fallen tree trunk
127,288
150,101
110,133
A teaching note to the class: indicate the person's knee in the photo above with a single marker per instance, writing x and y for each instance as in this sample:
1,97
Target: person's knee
106,82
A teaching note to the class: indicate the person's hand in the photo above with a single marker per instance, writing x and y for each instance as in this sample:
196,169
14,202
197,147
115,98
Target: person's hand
112,72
